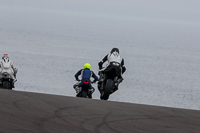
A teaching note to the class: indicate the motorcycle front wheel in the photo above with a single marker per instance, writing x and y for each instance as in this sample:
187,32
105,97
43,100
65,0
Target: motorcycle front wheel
6,85
108,88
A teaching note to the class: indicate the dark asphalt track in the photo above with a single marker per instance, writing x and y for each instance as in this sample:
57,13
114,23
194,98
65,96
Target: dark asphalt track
25,112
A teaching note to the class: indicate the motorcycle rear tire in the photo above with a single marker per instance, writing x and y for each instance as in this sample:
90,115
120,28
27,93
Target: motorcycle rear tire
84,94
108,88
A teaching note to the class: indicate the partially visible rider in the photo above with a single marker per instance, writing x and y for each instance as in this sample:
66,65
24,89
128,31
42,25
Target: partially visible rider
112,57
86,75
7,65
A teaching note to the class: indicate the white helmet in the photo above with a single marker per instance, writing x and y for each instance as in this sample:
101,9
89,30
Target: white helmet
5,58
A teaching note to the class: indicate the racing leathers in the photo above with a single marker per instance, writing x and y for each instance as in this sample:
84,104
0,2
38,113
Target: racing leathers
7,65
111,58
85,74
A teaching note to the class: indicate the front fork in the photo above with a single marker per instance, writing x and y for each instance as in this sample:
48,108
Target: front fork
101,84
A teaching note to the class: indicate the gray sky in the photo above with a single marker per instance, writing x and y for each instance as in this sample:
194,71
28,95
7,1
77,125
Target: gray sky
180,10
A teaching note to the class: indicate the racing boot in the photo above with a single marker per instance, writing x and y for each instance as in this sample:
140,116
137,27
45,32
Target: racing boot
119,80
90,93
100,88
77,89
101,77
13,83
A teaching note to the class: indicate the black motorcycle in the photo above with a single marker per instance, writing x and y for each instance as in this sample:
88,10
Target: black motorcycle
6,81
85,90
109,84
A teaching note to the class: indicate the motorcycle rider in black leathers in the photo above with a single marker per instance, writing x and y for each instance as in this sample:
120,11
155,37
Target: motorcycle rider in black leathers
113,56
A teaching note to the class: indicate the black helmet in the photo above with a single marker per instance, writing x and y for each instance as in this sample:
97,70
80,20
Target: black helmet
114,49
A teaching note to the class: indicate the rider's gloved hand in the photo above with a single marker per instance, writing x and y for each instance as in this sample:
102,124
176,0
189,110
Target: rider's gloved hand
78,79
93,82
100,64
123,69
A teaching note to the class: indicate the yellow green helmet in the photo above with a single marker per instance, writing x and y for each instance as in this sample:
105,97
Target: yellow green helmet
87,65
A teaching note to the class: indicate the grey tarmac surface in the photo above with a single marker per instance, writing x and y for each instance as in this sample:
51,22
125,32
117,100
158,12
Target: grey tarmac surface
26,112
